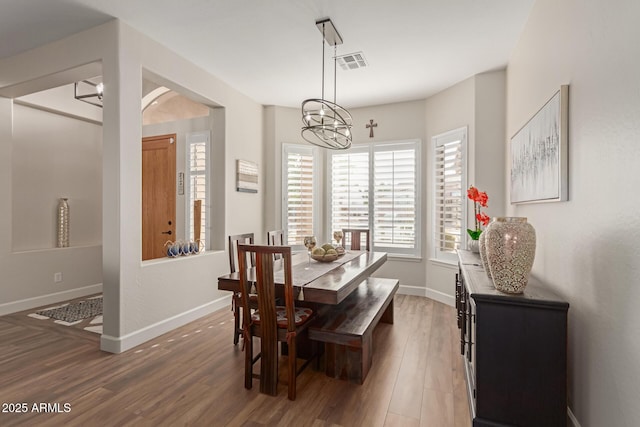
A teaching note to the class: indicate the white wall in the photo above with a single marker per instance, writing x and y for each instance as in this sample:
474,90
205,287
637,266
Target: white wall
396,122
58,157
27,275
588,247
141,299
479,104
61,100
152,293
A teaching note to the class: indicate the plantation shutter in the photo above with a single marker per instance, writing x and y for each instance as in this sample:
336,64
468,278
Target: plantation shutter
299,194
198,152
394,192
449,193
349,190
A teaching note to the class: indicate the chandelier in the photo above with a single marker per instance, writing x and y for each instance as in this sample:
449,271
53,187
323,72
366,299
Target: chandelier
325,123
89,92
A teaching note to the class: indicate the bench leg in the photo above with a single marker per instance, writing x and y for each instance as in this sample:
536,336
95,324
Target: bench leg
347,362
387,316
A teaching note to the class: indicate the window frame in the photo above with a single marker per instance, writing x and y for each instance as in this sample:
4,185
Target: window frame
458,134
371,148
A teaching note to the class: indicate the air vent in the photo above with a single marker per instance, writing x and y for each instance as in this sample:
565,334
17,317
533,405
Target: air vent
352,61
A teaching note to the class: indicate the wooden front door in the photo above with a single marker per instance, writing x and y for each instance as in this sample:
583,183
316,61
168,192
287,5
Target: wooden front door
158,194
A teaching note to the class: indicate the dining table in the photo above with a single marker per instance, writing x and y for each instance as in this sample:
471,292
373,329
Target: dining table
320,284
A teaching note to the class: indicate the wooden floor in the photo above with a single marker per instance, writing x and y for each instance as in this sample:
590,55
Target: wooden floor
194,376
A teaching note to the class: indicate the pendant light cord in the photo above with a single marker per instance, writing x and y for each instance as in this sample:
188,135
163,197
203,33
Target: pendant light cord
323,36
335,81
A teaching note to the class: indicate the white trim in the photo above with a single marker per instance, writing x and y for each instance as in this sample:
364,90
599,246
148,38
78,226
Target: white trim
29,303
447,264
427,293
441,297
120,344
573,418
403,257
152,96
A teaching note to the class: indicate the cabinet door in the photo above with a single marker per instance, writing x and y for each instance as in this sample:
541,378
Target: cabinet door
520,361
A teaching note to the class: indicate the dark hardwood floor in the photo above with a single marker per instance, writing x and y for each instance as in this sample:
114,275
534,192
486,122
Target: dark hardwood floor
194,376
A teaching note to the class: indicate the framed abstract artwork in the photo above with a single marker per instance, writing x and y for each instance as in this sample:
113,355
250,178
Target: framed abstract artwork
539,154
246,176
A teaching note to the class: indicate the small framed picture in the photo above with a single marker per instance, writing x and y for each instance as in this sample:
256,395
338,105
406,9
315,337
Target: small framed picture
246,176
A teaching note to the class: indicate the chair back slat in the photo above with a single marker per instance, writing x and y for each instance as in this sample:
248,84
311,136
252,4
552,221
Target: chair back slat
266,290
275,238
355,237
234,240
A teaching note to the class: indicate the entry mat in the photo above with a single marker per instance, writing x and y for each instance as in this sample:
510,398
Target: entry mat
74,313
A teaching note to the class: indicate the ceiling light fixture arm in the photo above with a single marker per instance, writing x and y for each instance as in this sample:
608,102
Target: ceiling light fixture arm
326,123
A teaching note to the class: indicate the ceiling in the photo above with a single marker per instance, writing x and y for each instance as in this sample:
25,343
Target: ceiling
272,51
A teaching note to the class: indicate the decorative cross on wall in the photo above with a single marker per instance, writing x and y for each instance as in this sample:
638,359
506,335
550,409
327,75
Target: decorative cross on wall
370,126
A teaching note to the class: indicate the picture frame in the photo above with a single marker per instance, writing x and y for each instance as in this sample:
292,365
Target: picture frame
539,154
246,176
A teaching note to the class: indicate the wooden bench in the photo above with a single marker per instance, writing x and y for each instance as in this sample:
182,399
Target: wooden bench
347,328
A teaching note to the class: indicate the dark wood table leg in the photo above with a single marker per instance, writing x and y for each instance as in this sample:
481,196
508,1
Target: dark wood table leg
387,316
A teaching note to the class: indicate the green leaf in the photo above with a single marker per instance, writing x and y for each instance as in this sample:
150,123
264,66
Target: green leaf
474,234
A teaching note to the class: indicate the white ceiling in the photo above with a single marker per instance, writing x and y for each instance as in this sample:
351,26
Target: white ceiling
271,50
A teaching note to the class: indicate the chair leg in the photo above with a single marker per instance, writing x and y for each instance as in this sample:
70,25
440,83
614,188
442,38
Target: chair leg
236,320
248,363
292,370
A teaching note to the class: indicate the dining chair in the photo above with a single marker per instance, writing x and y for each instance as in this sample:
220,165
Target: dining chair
271,323
234,240
275,238
355,237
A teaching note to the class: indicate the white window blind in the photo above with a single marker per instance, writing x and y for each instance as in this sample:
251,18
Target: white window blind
394,189
298,191
449,193
375,187
197,181
350,190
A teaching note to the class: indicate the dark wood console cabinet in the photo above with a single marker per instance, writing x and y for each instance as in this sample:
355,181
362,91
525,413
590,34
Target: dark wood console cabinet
514,348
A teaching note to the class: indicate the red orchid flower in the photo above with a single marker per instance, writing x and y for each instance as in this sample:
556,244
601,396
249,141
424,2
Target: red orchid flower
480,199
483,218
472,193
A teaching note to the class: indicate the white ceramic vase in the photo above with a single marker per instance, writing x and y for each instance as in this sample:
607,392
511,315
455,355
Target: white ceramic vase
510,251
473,245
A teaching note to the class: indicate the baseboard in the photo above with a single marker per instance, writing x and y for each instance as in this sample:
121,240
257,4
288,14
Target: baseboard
29,303
573,418
428,293
120,344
